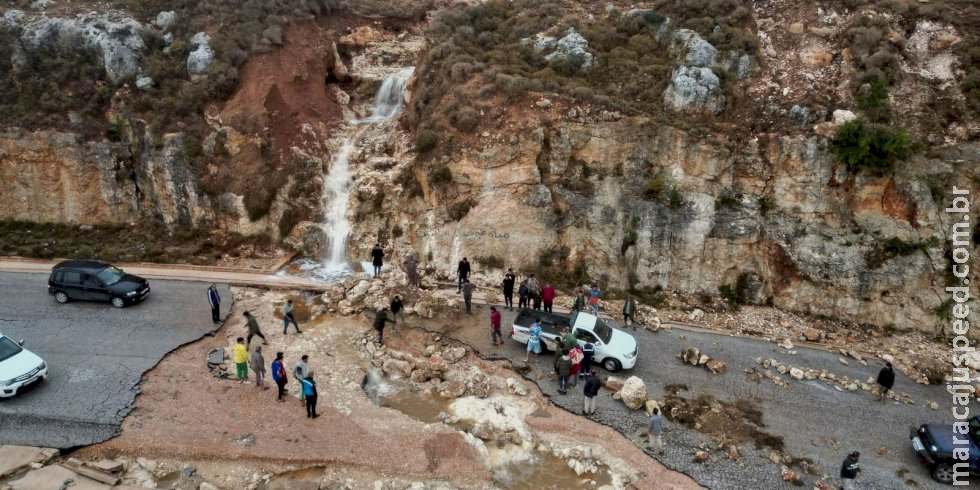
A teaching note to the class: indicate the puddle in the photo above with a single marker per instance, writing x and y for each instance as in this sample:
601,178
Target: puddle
170,480
544,471
413,405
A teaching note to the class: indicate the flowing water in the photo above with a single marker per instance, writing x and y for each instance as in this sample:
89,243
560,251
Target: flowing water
388,103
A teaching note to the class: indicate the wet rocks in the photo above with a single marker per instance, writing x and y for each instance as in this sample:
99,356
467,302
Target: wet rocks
516,387
451,389
694,357
397,368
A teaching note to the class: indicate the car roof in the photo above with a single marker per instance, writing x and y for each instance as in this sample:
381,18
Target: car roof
87,265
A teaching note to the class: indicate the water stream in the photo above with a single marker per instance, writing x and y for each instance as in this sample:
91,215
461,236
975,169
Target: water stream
388,103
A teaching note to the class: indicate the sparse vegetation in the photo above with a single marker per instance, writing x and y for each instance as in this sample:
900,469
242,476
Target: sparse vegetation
872,147
766,205
728,200
490,261
426,140
884,251
457,211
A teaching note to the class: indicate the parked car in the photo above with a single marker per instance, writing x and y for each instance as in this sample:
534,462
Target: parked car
614,348
934,443
91,280
19,367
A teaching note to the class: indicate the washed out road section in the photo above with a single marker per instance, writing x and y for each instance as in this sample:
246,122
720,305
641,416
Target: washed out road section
96,355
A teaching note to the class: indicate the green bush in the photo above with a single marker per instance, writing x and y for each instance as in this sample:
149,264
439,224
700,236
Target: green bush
426,140
766,205
675,200
872,147
728,201
656,187
886,250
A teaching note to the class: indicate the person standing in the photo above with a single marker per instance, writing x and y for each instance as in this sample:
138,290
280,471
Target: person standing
523,293
534,291
468,288
240,357
300,371
309,390
588,351
253,329
568,339
215,301
508,285
655,430
564,372
579,301
629,309
590,391
288,317
576,356
279,376
594,295
412,271
380,318
462,273
849,470
397,311
495,337
533,341
886,380
377,258
257,362
548,297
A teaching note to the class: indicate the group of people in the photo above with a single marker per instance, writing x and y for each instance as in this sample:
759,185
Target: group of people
409,265
302,373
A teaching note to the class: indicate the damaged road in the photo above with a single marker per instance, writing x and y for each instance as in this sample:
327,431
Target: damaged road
96,356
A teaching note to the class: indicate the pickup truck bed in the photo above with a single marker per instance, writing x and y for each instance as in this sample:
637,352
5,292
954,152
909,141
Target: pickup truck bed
550,322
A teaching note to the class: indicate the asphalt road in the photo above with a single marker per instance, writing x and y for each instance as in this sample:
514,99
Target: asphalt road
815,420
96,355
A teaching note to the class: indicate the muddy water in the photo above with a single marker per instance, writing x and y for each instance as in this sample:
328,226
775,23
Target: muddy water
520,471
543,471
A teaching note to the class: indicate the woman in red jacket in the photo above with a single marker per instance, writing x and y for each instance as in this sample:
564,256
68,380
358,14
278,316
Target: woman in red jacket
548,297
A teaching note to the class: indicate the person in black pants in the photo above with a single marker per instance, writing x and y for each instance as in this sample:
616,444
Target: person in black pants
279,376
215,302
463,273
377,258
309,389
509,280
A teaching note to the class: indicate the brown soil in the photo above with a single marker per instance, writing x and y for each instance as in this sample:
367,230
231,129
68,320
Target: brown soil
730,423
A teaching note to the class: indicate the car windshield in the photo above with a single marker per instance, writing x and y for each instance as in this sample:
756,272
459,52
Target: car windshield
8,348
111,275
602,330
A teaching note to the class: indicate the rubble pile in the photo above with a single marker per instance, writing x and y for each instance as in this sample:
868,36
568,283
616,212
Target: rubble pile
839,382
694,357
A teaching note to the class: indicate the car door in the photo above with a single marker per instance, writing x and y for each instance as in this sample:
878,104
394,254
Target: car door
94,289
71,284
586,337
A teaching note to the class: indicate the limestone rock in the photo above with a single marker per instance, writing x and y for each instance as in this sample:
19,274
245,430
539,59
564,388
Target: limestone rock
516,387
700,456
692,49
690,355
395,367
451,389
694,90
614,383
361,37
650,405
811,335
634,393
695,315
144,83
716,366
165,19
201,55
796,373
454,354
573,48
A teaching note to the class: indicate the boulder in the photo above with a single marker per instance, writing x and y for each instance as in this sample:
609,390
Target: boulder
165,19
716,366
811,335
361,37
700,456
703,359
634,393
454,354
144,83
201,55
451,389
796,373
650,405
573,48
118,40
690,355
614,383
696,315
691,49
396,367
695,90
516,387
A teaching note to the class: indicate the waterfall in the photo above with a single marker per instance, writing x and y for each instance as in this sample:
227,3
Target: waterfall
336,183
390,97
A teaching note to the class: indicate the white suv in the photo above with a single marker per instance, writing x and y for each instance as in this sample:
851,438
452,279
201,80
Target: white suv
19,367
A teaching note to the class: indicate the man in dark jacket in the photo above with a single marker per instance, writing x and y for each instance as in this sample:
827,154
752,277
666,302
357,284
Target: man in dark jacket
215,301
592,385
886,380
397,311
462,273
509,280
588,351
849,470
523,293
468,288
380,318
253,329
377,258
629,310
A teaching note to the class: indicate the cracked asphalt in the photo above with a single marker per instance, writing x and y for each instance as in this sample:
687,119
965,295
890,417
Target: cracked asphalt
96,355
816,421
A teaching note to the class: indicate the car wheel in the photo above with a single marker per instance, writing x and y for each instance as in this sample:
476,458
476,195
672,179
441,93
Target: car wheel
61,297
610,364
943,473
118,302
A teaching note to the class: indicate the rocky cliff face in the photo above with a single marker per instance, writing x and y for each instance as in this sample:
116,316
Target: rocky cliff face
774,218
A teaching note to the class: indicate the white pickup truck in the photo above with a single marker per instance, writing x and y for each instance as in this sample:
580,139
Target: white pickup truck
614,348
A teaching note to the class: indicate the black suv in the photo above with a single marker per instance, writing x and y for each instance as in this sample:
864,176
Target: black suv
95,281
